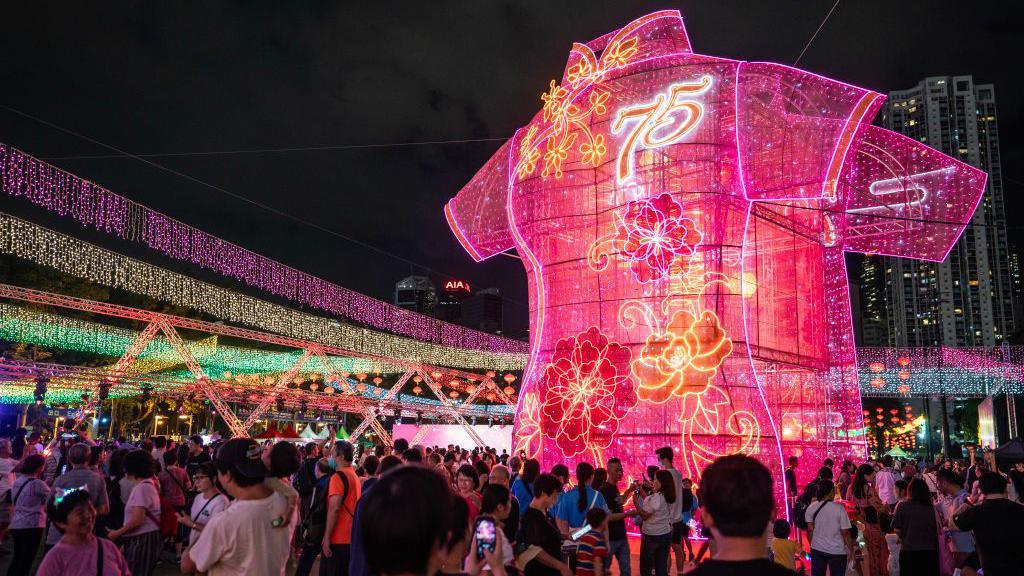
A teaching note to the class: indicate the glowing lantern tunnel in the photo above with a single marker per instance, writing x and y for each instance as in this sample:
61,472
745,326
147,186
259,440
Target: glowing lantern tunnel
653,201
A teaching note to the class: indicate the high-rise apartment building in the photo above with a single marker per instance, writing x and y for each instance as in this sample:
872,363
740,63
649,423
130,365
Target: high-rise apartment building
874,324
966,300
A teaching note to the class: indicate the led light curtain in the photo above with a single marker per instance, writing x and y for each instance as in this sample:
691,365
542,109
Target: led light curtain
682,221
68,195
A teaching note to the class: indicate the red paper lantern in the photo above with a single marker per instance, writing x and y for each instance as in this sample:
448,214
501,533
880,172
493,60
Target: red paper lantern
903,361
876,367
509,378
878,382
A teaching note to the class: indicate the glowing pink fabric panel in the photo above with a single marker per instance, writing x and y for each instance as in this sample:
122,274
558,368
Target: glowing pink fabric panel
682,221
484,198
904,198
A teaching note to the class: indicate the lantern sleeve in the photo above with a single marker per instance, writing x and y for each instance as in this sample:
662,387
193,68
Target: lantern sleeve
904,198
794,129
477,214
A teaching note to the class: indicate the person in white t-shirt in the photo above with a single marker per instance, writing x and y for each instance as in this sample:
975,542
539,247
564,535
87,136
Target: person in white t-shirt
679,530
207,504
828,528
241,541
656,511
885,482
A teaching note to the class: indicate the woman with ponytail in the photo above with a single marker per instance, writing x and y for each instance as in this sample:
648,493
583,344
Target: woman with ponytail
571,511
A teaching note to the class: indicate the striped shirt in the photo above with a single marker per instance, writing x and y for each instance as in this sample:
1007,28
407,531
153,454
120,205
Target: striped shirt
591,546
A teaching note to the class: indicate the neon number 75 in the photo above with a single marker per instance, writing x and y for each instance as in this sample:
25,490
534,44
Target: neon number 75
656,122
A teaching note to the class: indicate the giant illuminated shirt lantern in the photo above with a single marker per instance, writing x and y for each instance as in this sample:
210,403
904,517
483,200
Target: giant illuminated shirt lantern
682,220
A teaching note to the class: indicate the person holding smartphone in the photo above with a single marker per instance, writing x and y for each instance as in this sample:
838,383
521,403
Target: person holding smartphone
497,506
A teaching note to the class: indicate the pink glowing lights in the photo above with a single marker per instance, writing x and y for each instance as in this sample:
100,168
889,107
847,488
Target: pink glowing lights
703,242
99,208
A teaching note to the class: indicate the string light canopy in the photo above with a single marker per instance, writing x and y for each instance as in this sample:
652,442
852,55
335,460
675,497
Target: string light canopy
18,324
966,371
77,258
96,207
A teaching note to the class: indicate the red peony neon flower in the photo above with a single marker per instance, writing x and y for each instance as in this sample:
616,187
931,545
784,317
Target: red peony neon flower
585,390
653,233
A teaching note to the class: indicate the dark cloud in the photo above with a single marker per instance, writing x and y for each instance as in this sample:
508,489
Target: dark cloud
159,76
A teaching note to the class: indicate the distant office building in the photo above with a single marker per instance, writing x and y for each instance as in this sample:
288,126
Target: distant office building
483,311
1018,288
874,330
966,300
449,300
416,293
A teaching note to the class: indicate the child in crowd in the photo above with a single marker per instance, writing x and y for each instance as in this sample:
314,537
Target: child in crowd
282,460
592,549
892,541
900,488
784,550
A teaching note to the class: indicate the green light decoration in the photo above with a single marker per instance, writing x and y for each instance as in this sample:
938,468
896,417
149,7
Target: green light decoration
18,324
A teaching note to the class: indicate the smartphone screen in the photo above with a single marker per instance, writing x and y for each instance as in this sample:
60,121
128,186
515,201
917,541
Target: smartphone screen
580,533
486,536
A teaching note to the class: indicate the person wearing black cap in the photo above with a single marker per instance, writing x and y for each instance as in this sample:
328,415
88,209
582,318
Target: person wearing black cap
241,540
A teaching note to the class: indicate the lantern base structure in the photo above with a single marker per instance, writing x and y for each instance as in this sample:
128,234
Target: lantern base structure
682,220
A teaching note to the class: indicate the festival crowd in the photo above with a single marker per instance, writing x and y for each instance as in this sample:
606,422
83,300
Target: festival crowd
238,507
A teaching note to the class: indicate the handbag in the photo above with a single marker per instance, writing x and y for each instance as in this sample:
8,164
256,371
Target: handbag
946,562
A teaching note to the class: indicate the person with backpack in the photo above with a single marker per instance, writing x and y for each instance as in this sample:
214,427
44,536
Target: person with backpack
242,539
342,495
79,552
314,525
306,478
828,529
114,477
79,474
28,497
208,502
174,489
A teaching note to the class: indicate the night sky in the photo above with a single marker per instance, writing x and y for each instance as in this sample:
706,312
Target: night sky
173,77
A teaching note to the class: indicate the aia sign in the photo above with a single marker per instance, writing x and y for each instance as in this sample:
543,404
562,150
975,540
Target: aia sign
454,285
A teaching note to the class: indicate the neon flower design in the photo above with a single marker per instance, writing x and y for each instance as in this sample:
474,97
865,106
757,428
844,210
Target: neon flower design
558,151
553,101
528,437
585,390
592,153
683,359
653,233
